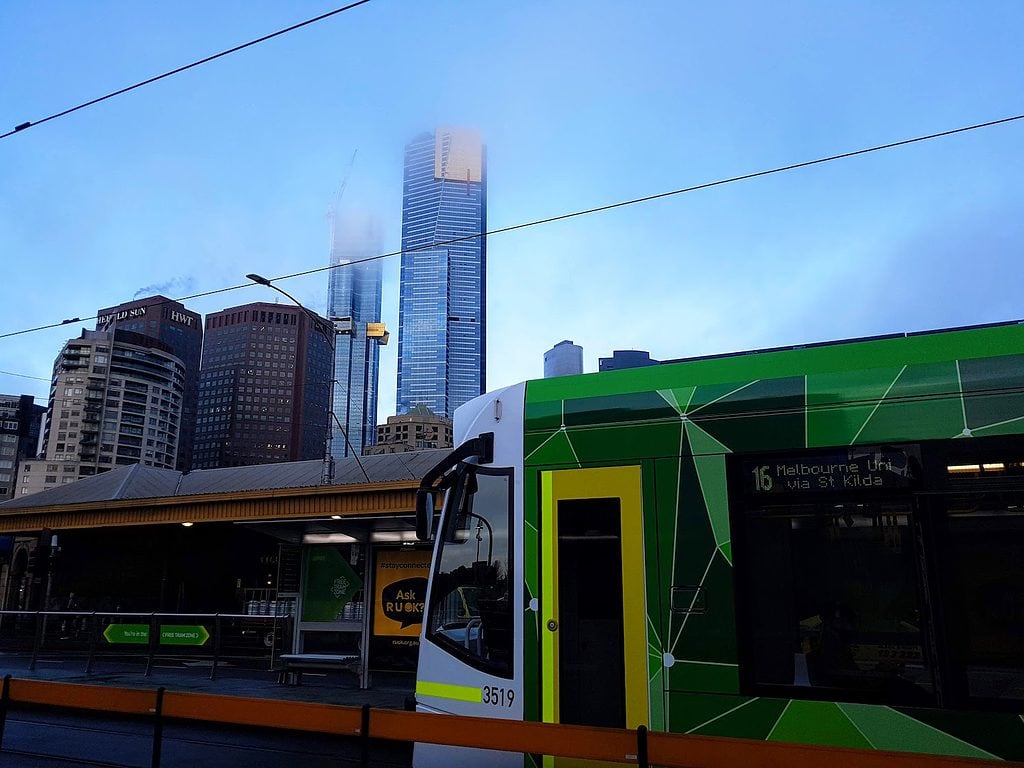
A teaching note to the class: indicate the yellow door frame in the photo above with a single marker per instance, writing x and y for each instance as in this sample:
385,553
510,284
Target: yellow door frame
624,484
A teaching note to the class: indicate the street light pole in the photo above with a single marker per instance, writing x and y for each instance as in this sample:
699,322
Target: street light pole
332,337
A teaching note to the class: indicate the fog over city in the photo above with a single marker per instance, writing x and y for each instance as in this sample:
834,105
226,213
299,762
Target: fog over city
189,184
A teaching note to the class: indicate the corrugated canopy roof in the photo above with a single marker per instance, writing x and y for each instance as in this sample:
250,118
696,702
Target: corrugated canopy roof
142,482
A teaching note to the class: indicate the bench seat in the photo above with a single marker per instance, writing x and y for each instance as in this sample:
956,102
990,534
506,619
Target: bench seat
297,663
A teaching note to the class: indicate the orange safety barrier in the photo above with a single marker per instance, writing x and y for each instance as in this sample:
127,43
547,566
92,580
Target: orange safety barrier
272,713
616,744
607,744
98,698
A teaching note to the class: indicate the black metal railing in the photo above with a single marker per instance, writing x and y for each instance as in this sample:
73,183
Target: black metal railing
253,641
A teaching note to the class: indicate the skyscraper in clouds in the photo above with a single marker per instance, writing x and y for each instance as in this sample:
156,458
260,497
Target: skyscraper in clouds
443,301
354,292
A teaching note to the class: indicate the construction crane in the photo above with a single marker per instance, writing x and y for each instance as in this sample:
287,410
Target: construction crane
332,210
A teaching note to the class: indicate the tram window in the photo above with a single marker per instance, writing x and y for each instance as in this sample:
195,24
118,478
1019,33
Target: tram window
984,558
470,604
834,601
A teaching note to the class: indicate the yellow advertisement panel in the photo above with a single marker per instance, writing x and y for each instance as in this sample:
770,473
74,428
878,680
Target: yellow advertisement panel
401,588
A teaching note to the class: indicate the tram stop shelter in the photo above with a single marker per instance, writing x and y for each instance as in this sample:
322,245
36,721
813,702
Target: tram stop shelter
332,553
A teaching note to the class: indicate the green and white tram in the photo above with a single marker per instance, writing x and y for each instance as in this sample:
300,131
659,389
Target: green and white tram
818,545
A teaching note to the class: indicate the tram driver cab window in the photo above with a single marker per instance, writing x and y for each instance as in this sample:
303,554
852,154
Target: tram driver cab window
470,612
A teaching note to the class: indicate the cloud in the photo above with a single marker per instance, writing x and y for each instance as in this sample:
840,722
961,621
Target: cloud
180,285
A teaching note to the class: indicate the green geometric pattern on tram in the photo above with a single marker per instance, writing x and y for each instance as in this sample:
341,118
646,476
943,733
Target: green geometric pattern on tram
666,472
706,394
699,529
656,694
765,415
654,597
993,400
817,722
886,728
542,416
616,409
711,472
708,637
627,443
701,443
923,404
694,539
552,449
727,551
839,404
704,678
753,720
693,546
533,441
693,710
1001,733
679,397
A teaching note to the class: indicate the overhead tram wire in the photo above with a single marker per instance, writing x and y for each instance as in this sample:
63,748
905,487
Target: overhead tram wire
178,70
181,300
22,375
661,195
577,214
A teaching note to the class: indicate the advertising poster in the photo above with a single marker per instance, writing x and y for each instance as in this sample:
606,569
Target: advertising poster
329,584
400,591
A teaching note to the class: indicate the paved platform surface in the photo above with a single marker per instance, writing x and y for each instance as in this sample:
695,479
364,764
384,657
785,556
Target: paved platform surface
389,690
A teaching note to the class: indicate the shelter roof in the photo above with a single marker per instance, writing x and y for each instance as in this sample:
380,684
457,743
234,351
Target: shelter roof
141,482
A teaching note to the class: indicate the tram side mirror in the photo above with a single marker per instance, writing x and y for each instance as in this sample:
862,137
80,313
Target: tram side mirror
424,513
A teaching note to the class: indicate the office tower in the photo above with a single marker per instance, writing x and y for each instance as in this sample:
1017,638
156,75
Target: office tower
415,430
264,387
182,331
442,308
354,293
626,358
563,359
20,422
116,398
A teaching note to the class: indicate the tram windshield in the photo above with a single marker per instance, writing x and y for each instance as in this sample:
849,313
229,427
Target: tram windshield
470,613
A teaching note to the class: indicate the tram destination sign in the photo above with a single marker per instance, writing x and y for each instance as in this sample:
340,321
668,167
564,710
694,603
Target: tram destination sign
855,469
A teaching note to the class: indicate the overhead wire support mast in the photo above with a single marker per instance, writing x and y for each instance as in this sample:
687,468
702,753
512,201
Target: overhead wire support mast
580,213
33,123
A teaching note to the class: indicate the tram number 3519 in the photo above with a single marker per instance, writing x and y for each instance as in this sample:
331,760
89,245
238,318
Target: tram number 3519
497,696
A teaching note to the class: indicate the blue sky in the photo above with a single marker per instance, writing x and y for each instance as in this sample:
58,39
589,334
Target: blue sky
189,184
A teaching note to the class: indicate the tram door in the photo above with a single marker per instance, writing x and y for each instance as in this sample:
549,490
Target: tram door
593,612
